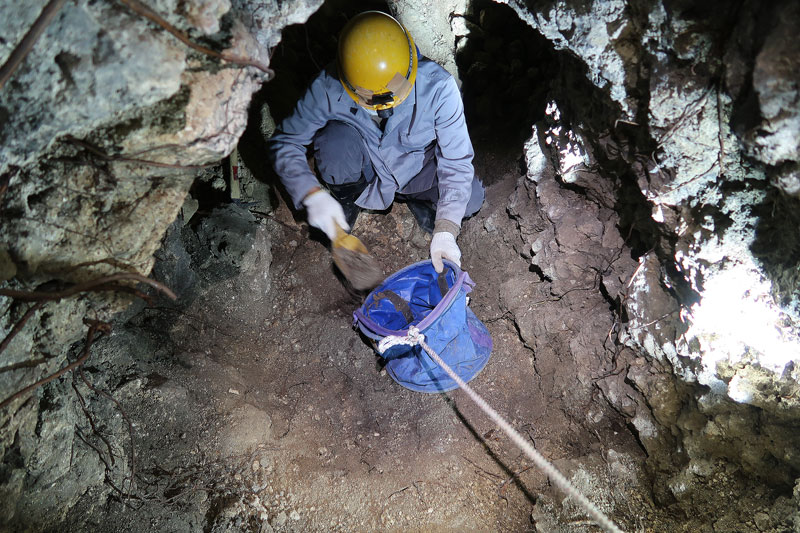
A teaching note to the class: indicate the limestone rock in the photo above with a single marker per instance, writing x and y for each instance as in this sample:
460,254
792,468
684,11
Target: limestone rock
104,126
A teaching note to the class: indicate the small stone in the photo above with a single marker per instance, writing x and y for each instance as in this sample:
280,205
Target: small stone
233,391
280,519
294,515
489,224
763,521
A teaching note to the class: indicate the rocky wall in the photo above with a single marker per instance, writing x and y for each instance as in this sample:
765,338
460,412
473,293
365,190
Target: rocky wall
104,126
435,27
700,109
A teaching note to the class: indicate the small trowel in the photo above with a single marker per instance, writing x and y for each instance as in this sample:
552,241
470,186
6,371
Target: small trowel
354,260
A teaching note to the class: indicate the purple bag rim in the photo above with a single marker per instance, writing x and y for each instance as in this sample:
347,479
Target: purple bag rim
441,307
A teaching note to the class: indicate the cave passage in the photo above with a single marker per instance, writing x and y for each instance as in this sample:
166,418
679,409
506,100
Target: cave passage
613,263
333,443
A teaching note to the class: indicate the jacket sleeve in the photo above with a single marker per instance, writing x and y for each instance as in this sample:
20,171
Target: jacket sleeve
454,153
287,147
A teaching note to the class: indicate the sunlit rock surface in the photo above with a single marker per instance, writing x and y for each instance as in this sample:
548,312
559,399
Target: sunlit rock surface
703,104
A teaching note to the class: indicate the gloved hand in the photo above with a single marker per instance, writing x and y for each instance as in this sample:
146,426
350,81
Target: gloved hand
443,246
324,212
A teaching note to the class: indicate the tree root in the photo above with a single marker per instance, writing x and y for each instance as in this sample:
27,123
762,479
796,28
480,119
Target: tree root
144,11
94,327
26,44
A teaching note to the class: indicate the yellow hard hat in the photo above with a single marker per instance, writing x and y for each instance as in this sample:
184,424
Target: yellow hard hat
377,61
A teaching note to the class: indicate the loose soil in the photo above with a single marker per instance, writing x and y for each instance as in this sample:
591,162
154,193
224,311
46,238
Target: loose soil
270,412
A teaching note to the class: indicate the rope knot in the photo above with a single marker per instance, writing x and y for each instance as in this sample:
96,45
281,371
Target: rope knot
415,335
412,338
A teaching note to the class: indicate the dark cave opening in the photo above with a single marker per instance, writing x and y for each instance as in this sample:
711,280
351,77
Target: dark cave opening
506,69
779,254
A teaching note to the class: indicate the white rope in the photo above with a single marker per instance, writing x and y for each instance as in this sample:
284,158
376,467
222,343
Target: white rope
415,337
392,340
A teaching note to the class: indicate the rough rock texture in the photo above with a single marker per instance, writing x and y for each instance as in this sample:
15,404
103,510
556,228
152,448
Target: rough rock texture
103,126
598,33
700,133
673,137
574,245
775,90
433,29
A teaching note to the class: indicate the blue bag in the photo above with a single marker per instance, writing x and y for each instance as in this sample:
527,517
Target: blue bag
437,305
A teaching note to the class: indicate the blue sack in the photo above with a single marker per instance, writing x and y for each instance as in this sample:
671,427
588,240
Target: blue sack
437,305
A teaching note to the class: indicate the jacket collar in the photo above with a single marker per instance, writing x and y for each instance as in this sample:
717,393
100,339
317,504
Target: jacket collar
401,112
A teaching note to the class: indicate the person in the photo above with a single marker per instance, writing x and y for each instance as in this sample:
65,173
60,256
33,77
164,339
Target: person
386,124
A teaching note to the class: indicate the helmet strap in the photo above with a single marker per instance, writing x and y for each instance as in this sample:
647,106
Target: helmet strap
399,85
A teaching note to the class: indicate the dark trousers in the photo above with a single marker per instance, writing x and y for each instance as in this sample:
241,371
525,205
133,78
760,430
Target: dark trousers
343,163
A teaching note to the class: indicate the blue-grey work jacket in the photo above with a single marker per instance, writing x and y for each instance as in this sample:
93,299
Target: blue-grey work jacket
433,111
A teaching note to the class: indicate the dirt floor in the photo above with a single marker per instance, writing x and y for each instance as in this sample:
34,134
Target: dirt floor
269,412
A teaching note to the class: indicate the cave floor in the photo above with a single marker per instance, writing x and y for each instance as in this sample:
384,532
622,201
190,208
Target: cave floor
272,413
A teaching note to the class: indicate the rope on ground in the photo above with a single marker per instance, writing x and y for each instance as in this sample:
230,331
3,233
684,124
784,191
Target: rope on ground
415,337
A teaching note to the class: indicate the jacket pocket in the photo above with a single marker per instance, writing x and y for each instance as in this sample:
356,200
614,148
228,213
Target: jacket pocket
417,140
425,177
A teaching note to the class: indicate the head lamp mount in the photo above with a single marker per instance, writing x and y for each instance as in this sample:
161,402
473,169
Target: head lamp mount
380,103
382,99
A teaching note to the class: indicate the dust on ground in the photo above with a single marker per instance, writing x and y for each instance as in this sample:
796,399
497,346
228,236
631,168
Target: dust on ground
262,413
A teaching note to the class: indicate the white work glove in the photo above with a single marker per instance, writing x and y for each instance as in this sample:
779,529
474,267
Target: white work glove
324,212
443,246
